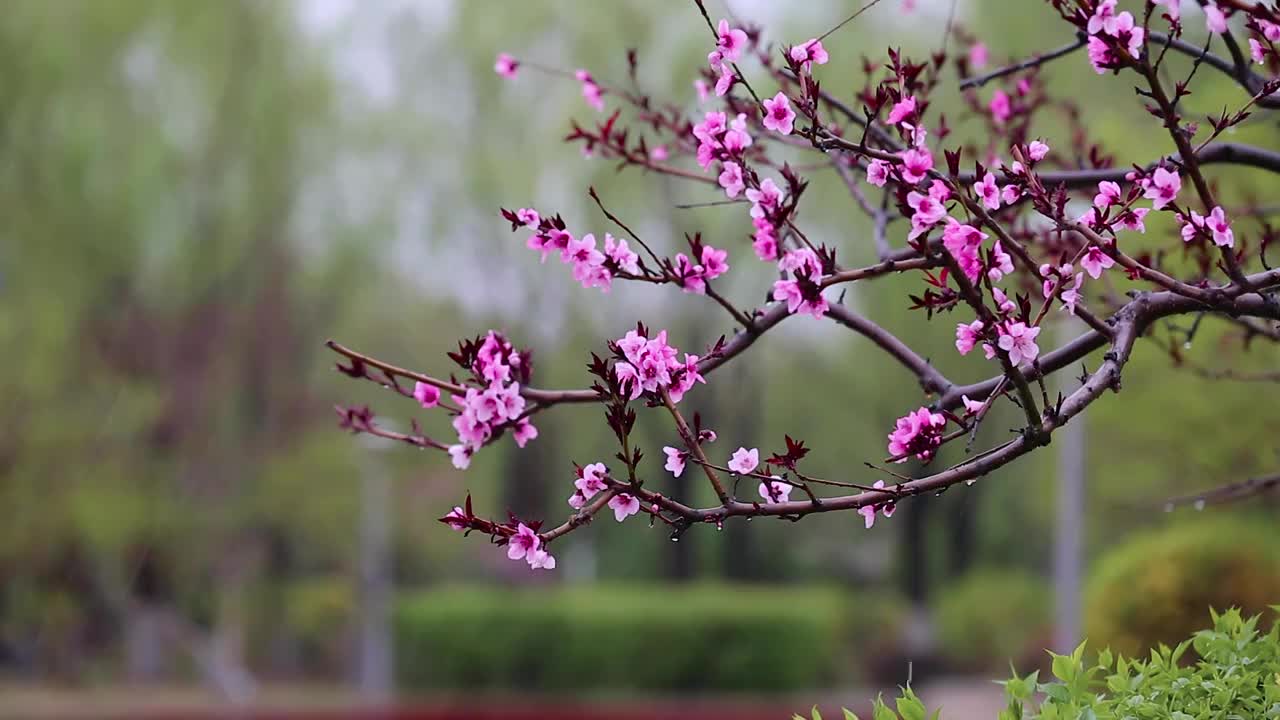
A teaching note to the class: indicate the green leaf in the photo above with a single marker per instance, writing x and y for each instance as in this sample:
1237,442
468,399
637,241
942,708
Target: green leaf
816,715
911,707
882,712
848,714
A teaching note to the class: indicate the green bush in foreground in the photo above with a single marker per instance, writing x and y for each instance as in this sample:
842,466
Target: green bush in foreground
696,637
1236,678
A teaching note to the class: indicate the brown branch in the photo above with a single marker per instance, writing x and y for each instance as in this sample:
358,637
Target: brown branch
1033,61
1227,493
695,447
931,379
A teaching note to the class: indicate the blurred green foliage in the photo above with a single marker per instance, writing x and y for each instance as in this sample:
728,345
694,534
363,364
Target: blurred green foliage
991,617
1154,588
634,637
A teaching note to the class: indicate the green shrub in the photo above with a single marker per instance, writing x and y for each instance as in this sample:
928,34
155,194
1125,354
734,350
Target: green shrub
1237,677
704,637
1154,588
991,617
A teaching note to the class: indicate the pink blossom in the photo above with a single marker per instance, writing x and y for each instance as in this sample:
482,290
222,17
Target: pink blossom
713,125
878,172
801,262
732,41
624,505
675,460
774,491
1108,195
1010,194
809,53
528,217
987,189
1000,109
1257,51
724,80
456,519
1270,30
1003,303
1071,294
1019,341
658,153
868,512
1132,219
963,242
1103,19
1214,19
688,376
1129,34
778,115
590,480
744,461
1171,6
1217,223
713,262
541,560
1001,263
1100,55
689,275
731,179
929,211
700,87
917,433
967,336
797,300
428,396
524,432
971,407
737,139
506,66
1037,150
1191,225
916,164
765,243
766,199
1095,261
523,542
902,110
978,56
621,255
1163,188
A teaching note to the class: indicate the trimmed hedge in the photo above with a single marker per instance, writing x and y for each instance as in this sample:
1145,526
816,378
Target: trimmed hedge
1154,588
667,638
991,617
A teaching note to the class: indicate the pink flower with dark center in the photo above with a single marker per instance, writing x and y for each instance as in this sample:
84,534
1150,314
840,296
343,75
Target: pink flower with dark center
868,512
1191,225
809,53
971,407
428,396
591,480
675,460
878,172
1108,195
1001,110
1010,194
916,164
774,491
688,376
621,255
1214,19
689,275
778,115
964,243
987,189
541,560
967,336
902,110
765,242
624,505
1001,263
523,542
1163,188
731,179
1217,223
1103,19
744,461
1128,34
1003,303
1132,219
1100,55
528,216
917,433
1095,261
731,42
456,519
1019,341
506,66
765,200
524,432
1037,150
714,262
713,125
801,296
1257,51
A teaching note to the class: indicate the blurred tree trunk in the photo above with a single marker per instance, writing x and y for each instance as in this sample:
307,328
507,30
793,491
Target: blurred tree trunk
960,530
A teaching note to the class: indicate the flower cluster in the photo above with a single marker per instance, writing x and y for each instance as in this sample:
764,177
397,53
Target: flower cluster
526,545
730,44
650,365
592,267
803,292
917,433
483,410
1110,35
